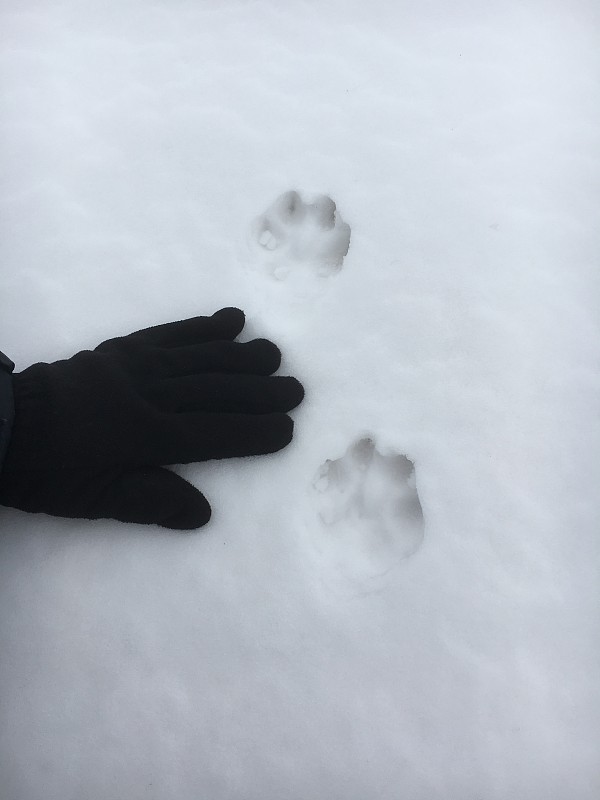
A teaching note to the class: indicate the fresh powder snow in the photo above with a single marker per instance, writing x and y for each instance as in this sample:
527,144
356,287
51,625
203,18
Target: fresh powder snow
405,602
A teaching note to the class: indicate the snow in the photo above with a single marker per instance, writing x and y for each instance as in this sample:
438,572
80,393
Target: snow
310,643
295,233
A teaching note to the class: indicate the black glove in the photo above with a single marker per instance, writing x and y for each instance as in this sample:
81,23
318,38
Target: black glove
91,433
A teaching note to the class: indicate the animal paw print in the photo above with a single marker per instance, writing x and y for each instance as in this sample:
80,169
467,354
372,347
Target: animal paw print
293,233
370,508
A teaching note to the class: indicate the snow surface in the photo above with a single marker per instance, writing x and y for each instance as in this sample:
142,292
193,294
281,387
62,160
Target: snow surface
291,650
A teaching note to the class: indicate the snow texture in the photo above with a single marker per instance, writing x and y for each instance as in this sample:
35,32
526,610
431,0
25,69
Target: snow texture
293,232
371,507
345,627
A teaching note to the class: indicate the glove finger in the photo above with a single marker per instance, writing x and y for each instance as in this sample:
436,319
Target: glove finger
249,394
259,357
224,324
153,496
198,436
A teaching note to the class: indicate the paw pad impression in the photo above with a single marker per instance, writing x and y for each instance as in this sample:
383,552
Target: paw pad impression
370,508
293,232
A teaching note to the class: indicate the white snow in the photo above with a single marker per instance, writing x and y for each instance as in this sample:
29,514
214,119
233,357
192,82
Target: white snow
257,658
308,236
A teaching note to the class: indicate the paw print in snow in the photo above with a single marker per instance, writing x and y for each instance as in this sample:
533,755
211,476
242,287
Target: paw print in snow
371,510
293,233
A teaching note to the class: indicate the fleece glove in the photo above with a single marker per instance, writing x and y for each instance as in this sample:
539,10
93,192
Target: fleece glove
92,434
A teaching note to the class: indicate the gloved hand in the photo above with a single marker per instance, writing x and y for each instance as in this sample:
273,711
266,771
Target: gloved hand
92,434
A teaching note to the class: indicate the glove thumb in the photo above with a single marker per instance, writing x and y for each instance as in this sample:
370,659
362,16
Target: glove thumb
154,495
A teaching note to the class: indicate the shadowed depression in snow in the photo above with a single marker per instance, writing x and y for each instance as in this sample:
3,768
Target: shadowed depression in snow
297,234
370,507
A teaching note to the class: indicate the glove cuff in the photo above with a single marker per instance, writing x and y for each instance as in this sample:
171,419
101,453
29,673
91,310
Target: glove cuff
7,404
